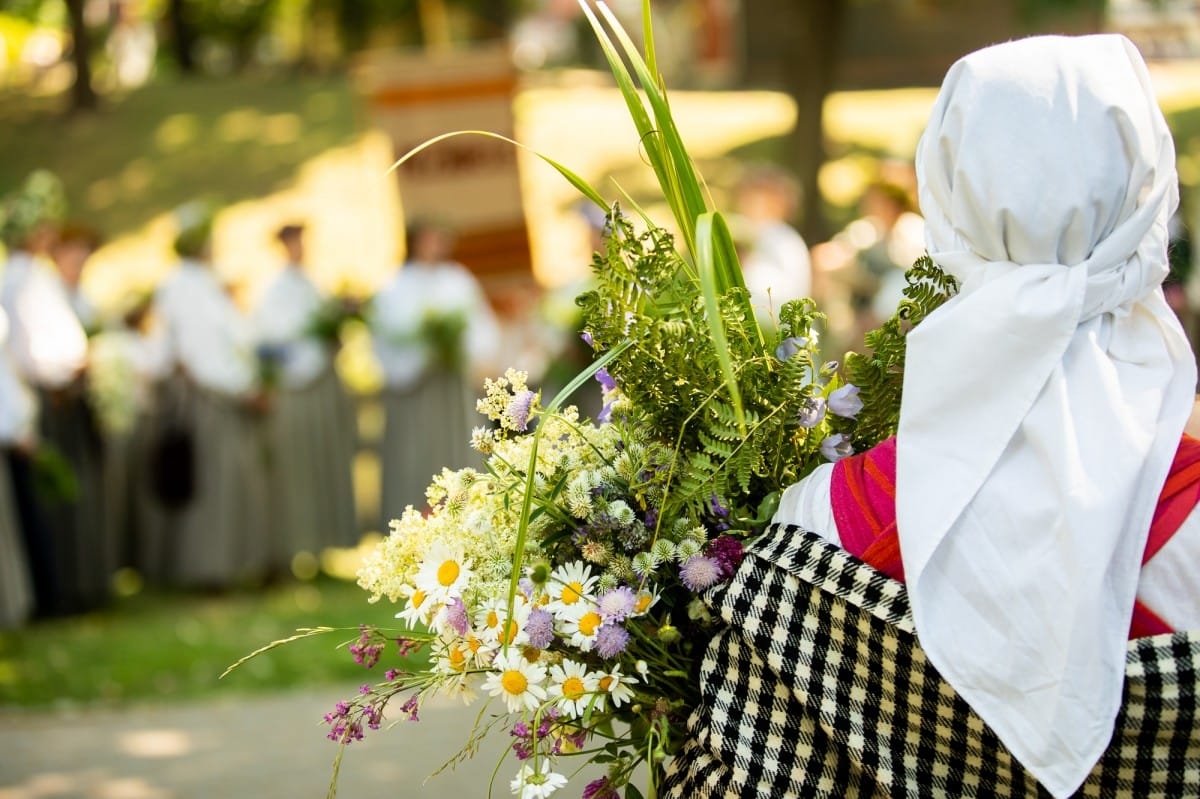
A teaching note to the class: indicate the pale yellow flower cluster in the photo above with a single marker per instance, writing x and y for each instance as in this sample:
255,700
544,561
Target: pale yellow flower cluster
479,512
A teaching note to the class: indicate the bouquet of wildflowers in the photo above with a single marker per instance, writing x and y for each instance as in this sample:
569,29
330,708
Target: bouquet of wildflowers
564,582
331,316
113,383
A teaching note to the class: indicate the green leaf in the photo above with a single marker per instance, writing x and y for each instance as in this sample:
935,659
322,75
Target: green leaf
707,267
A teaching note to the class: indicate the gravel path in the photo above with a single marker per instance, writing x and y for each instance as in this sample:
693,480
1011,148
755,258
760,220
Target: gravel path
257,747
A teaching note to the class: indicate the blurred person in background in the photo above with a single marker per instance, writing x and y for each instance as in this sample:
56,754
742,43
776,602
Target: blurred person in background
20,595
775,263
216,530
131,45
26,223
74,246
125,365
435,336
310,424
863,266
48,348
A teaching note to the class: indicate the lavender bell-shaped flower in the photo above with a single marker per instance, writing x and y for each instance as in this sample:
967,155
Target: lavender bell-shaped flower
790,346
836,447
812,413
845,402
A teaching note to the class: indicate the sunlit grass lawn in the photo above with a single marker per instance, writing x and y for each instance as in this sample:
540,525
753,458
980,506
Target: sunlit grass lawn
172,646
171,142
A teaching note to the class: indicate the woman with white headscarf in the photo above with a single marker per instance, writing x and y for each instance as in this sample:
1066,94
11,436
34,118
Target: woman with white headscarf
1039,462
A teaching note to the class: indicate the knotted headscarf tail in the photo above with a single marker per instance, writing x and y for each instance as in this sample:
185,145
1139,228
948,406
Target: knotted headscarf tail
1043,404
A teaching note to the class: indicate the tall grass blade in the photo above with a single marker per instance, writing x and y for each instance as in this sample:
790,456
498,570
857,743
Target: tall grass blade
531,470
581,185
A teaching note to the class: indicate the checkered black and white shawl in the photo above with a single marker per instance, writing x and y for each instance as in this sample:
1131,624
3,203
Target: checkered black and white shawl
817,687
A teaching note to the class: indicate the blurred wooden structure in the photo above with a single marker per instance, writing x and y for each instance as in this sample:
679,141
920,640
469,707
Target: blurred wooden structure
469,182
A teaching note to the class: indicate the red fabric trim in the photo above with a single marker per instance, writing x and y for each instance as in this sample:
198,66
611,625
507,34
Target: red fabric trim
863,492
1146,622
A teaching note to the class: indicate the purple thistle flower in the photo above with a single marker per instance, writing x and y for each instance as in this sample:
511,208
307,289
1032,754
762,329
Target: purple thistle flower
727,552
790,346
391,674
364,689
600,789
812,413
540,628
611,640
518,410
456,616
836,447
700,572
616,604
845,401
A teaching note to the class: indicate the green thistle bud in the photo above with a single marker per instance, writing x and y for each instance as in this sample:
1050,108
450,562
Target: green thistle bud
663,550
669,634
539,573
686,549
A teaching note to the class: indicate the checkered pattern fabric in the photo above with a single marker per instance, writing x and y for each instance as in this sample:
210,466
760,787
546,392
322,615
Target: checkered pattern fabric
819,688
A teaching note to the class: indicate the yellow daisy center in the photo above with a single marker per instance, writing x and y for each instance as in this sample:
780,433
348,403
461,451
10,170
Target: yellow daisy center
417,599
473,644
493,620
606,682
514,682
572,688
458,660
448,572
512,628
572,593
642,603
589,622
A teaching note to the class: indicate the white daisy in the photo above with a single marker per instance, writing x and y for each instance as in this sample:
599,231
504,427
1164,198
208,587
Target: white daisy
643,602
494,627
569,586
617,685
419,608
581,629
517,680
533,784
455,655
572,686
444,573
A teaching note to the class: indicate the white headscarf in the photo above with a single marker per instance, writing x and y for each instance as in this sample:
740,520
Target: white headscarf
1043,404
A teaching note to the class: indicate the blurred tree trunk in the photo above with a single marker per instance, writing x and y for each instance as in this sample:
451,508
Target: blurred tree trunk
183,36
434,20
793,46
83,93
497,17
